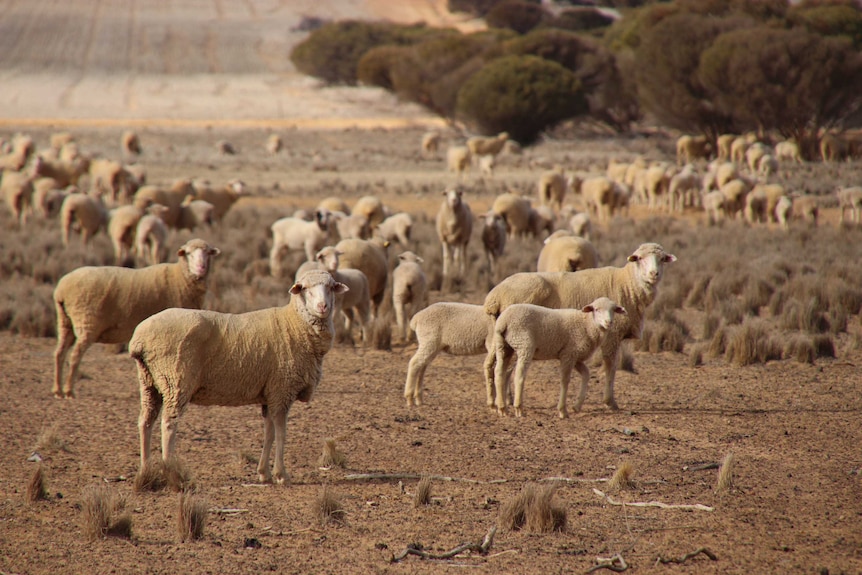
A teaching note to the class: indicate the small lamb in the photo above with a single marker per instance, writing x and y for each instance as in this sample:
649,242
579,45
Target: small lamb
409,291
204,358
454,225
534,332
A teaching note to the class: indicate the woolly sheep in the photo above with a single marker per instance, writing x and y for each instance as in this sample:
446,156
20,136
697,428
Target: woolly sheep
372,208
634,286
334,204
740,147
493,239
172,198
566,253
85,213
66,173
767,165
16,158
135,176
202,357
430,142
130,143
296,234
458,159
725,172
396,227
806,208
222,199
552,189
581,225
541,221
355,303
833,148
724,142
784,211
713,205
17,189
409,291
151,236
683,186
273,144
48,196
617,171
195,213
454,226
453,328
108,177
515,212
122,224
656,180
692,148
103,304
482,146
598,195
353,226
60,139
753,155
532,332
486,165
372,259
734,193
788,150
850,199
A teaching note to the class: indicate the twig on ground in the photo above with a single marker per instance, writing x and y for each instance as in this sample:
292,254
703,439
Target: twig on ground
616,564
612,501
687,556
481,548
228,511
372,476
705,466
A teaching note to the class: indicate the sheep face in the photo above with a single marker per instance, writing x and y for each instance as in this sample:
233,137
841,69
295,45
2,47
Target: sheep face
322,217
602,311
453,197
650,259
317,291
410,257
198,255
328,257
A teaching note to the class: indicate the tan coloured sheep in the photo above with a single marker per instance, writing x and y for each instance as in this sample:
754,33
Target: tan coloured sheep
724,143
493,240
122,224
66,173
689,149
355,304
17,190
151,236
334,204
172,198
850,199
202,357
515,212
130,143
409,292
788,150
430,142
397,227
458,159
564,252
109,178
454,226
487,146
85,213
372,208
273,144
222,199
103,304
371,258
552,188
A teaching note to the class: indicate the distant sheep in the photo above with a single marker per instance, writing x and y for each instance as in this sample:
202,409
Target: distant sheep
296,234
515,212
458,159
493,239
788,150
371,258
130,143
151,236
122,224
372,208
689,149
566,253
225,148
409,292
454,225
194,214
273,144
355,303
850,199
552,189
335,204
397,227
17,189
84,213
581,225
833,148
430,142
172,198
109,178
483,146
222,199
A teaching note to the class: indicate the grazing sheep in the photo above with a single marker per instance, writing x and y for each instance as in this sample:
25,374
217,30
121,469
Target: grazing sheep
515,212
552,189
195,213
334,204
203,357
296,234
151,236
135,176
482,146
354,304
48,196
767,165
60,139
172,198
409,291
533,332
454,226
493,239
617,171
713,205
14,160
108,177
753,155
453,328
103,304
273,144
724,143
850,199
833,148
724,173
430,142
734,193
122,224
541,221
353,226
806,208
692,148
66,173
564,252
372,259
581,225
17,189
740,147
130,143
85,213
396,227
372,208
784,212
222,199
458,159
486,165
598,195
225,148
656,181
788,150
633,286
683,188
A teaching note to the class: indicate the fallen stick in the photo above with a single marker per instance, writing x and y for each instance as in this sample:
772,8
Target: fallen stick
687,556
616,564
481,548
227,511
704,466
372,476
612,501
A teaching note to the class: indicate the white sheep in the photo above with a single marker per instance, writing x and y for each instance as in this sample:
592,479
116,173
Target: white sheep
486,165
17,189
633,286
683,188
195,213
532,332
396,227
85,213
453,328
430,142
222,198
273,144
564,252
296,234
372,208
788,150
458,159
806,208
66,173
371,258
493,239
767,165
354,304
692,148
454,226
515,212
151,236
487,146
103,304
122,224
130,143
334,204
713,205
351,226
724,143
784,211
203,357
552,189
541,221
108,177
581,225
734,193
48,196
850,199
598,194
172,198
409,291
754,153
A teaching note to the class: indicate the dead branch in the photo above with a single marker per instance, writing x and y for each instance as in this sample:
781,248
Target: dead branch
704,466
616,564
373,476
687,556
575,480
612,501
481,548
227,511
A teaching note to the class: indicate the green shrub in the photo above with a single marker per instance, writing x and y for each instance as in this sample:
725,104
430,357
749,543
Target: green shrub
521,95
516,15
581,19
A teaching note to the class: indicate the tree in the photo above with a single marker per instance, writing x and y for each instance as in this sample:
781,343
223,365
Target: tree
829,19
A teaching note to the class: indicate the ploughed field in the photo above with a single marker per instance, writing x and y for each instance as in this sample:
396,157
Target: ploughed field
738,294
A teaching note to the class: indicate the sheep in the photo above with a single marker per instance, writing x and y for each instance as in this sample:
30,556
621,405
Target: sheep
130,143
753,155
788,150
552,189
222,198
60,139
493,239
767,165
806,208
850,199
633,286
195,213
458,159
48,196
784,211
83,212
482,146
372,208
740,147
541,221
598,195
515,212
725,172
486,165
296,234
396,227
334,204
172,198
122,223
135,176
454,225
581,225
17,189
15,159
372,259
564,252
151,235
355,304
273,144
103,304
656,180
66,173
225,148
713,205
409,291
430,142
683,186
833,148
734,193
617,171
353,226
453,328
755,206
202,357
692,148
724,142
108,177
533,332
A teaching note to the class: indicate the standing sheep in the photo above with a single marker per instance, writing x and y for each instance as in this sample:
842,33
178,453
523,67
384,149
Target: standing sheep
172,198
122,223
598,195
85,213
493,239
788,150
223,198
458,159
372,208
430,142
850,199
371,258
17,189
784,211
130,143
692,148
151,236
203,358
296,234
633,286
515,212
534,332
552,189
355,303
566,253
103,304
396,227
581,225
409,292
482,146
108,177
724,142
454,226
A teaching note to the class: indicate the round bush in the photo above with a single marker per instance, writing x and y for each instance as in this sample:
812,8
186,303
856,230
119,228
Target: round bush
515,15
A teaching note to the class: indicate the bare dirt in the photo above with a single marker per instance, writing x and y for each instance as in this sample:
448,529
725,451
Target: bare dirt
792,427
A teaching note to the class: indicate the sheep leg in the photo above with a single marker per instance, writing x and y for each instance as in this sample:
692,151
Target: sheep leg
585,380
275,261
279,420
400,312
609,362
65,339
416,374
263,473
447,255
565,377
503,355
170,422
151,405
489,366
78,350
521,368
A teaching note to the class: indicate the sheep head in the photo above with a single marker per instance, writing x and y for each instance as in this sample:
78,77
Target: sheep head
650,259
198,254
315,293
602,311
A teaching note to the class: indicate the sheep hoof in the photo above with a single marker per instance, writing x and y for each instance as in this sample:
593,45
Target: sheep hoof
501,411
518,412
612,403
59,394
282,479
264,477
564,414
70,394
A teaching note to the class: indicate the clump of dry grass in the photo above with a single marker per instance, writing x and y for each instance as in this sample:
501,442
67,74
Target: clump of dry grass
36,489
331,456
178,475
725,473
622,478
328,507
695,355
718,343
52,440
151,477
711,323
665,335
103,513
533,510
752,343
246,458
191,517
626,360
381,333
423,492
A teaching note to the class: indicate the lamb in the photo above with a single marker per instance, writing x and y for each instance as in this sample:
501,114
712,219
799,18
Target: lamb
355,304
581,225
430,142
493,239
850,199
353,226
372,259
151,235
83,212
788,150
296,234
692,148
633,286
130,143
108,177
564,252
195,213
122,224
534,332
202,357
103,304
396,227
172,198
273,144
552,189
372,208
482,146
454,226
458,159
222,199
17,189
409,292
454,328
515,212
334,204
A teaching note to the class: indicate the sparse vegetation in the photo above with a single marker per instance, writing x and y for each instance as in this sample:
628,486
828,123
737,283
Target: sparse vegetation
328,507
622,478
533,510
331,456
191,517
104,513
36,488
422,496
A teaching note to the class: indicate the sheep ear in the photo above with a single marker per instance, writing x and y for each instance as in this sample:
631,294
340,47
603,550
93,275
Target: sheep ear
339,253
420,260
588,308
340,288
620,310
387,243
668,258
296,288
214,251
181,252
633,258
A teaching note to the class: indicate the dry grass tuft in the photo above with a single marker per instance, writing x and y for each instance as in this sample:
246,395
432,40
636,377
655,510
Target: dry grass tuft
328,507
725,473
533,510
244,458
695,355
800,348
622,478
192,517
423,492
381,333
103,513
752,343
331,456
52,440
178,475
36,490
151,477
